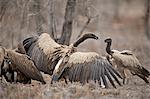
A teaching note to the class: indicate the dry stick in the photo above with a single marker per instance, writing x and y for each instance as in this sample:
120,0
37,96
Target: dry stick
23,14
52,23
147,14
68,21
3,9
86,24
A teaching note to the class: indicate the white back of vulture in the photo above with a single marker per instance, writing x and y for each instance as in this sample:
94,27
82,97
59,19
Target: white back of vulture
47,44
126,59
82,57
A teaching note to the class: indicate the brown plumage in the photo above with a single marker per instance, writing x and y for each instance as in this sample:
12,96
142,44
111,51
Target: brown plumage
2,54
41,49
127,60
85,66
20,49
23,64
15,76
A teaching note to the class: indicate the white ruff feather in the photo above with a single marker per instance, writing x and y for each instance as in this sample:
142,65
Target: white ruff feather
58,64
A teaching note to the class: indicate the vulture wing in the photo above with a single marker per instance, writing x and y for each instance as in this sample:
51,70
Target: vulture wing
126,60
126,52
25,65
40,50
83,67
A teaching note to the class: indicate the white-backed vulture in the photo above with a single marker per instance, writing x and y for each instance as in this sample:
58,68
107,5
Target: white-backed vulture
84,66
127,60
21,63
41,50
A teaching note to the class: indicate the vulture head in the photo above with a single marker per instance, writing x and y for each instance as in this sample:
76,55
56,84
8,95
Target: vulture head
108,48
108,40
6,64
83,38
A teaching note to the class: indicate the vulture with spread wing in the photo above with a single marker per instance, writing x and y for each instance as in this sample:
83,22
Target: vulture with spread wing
85,66
22,64
127,60
41,50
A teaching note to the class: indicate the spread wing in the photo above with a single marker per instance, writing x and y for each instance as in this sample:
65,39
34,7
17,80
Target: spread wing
96,70
25,65
40,50
45,52
85,67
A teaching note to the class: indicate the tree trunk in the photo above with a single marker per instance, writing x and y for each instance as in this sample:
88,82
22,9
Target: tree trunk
51,22
147,6
67,25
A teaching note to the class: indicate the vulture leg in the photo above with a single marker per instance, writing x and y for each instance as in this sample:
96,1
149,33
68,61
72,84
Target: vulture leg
121,70
15,77
65,79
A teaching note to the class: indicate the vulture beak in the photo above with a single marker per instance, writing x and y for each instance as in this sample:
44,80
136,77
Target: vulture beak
95,37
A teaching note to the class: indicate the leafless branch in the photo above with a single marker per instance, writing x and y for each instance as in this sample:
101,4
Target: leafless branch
52,24
86,24
147,12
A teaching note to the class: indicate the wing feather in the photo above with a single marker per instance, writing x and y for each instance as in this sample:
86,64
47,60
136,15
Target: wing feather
103,77
109,77
96,69
45,52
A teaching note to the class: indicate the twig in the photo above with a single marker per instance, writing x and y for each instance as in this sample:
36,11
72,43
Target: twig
86,24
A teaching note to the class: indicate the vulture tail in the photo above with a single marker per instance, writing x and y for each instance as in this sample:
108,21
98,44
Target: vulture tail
28,42
145,72
143,77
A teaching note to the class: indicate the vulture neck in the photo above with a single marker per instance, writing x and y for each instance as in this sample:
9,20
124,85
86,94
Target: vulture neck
80,40
108,48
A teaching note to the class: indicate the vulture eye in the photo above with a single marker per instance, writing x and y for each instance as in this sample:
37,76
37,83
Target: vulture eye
9,62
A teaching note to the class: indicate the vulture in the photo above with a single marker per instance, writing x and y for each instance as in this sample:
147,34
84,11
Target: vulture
46,53
126,60
21,64
84,67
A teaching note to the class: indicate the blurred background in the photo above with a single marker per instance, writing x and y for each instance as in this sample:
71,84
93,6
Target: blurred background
125,21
